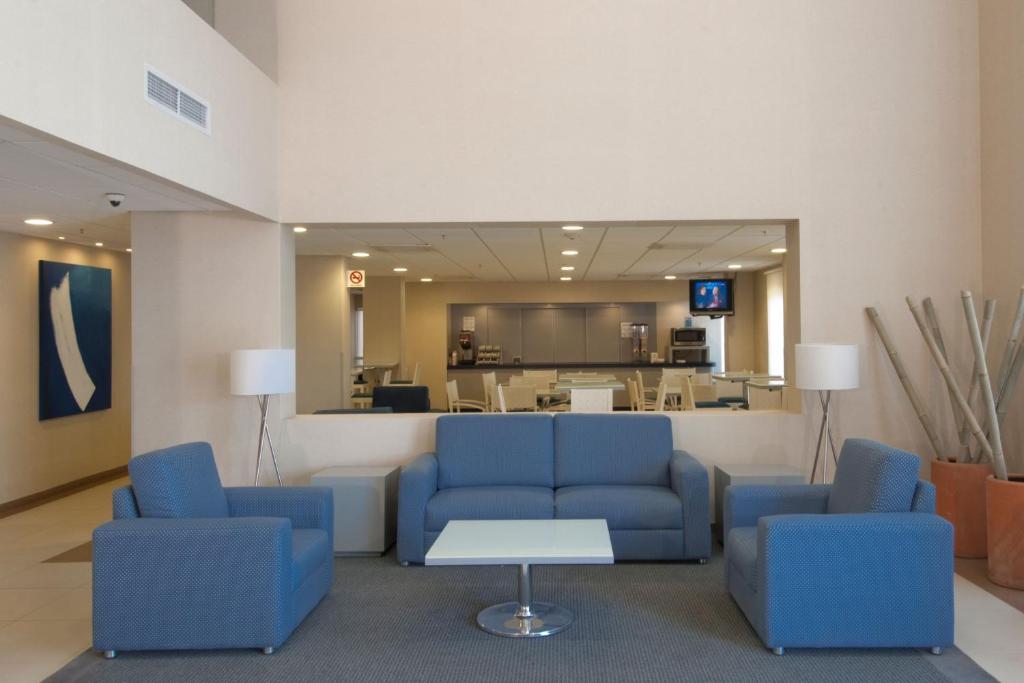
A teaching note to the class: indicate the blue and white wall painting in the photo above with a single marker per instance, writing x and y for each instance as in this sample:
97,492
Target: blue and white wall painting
74,339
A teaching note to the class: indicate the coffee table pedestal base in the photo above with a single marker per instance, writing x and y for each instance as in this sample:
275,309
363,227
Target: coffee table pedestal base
524,618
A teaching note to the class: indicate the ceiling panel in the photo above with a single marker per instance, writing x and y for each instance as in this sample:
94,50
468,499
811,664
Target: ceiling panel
520,250
620,248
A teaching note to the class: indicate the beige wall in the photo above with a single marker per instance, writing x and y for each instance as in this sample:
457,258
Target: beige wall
86,87
460,110
384,322
35,455
739,328
203,285
1002,173
323,334
760,322
251,26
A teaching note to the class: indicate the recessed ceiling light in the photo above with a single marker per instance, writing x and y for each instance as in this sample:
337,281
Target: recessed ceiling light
99,244
568,268
299,229
129,250
570,252
670,277
779,250
38,221
735,266
360,254
60,237
565,278
426,279
399,269
572,228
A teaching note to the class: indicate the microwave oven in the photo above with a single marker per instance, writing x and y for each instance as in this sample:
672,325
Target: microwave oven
688,336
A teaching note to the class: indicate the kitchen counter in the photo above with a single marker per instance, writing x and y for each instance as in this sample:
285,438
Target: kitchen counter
577,366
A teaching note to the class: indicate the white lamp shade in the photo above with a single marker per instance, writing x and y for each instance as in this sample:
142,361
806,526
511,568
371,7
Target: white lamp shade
827,367
255,372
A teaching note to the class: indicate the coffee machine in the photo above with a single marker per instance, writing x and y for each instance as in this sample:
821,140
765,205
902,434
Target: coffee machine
467,348
639,332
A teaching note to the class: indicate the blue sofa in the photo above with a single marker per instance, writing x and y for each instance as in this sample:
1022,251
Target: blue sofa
187,564
864,562
621,468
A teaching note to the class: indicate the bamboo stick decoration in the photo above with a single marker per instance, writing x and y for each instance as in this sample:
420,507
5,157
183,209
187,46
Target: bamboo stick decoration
1011,383
1012,344
998,461
951,382
972,395
908,386
933,321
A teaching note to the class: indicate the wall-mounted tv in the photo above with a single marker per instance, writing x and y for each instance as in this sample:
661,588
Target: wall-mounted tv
712,297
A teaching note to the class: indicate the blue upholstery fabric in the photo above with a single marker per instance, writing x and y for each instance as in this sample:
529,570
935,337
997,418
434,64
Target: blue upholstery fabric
178,482
876,579
873,477
416,485
239,581
402,399
689,480
624,507
648,544
612,449
495,450
489,502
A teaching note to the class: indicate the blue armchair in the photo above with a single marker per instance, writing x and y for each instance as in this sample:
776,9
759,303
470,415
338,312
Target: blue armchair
188,564
864,562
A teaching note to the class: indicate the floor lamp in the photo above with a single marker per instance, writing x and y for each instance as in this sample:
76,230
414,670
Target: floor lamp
263,373
826,368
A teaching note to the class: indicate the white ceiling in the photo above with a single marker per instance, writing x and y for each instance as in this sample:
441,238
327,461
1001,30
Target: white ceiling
43,179
521,253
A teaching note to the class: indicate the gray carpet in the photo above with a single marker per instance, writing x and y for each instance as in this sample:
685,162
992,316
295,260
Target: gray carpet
634,622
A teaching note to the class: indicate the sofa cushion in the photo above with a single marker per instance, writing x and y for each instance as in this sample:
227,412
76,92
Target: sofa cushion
741,553
624,507
178,482
873,477
489,502
612,449
310,549
495,450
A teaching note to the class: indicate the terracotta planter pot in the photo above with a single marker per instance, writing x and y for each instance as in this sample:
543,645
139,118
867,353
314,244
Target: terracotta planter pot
1006,531
960,498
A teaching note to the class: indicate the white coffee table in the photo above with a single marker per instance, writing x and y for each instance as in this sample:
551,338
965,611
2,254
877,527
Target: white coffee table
523,542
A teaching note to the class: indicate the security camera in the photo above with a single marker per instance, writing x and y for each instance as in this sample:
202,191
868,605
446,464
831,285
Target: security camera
115,199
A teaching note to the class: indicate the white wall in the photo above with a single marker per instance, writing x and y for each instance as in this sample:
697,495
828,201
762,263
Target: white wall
859,118
203,285
37,455
75,70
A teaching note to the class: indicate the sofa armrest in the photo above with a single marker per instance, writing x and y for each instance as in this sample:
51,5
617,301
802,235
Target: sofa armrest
744,505
416,485
689,480
308,507
177,576
856,580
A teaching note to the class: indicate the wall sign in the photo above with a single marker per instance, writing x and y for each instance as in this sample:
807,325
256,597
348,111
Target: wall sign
469,323
355,278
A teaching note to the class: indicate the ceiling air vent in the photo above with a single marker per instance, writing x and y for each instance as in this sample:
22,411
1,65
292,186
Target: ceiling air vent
172,99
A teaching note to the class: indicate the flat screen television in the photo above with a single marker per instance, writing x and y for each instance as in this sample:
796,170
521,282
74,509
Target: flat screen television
713,296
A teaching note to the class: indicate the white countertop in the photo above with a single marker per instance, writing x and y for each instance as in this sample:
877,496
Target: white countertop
522,541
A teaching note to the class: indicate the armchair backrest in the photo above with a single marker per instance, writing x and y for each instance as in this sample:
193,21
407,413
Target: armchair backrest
178,482
629,450
873,477
495,450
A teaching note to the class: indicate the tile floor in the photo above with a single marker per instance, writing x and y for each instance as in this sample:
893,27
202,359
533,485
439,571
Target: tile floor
46,607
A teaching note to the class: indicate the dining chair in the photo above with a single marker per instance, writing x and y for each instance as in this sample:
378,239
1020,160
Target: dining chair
659,401
641,389
689,402
490,380
387,378
517,398
457,405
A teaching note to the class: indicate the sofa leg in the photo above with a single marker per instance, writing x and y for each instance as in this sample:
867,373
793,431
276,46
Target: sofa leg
935,650
702,560
268,650
109,654
778,651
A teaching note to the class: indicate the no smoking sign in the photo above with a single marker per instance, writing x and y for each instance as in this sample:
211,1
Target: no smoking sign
355,278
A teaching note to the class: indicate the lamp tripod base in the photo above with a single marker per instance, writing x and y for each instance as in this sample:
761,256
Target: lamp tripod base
824,434
264,403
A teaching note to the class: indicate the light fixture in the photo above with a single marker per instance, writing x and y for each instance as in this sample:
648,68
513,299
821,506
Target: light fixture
263,373
572,228
129,250
735,266
60,237
670,277
426,279
399,269
570,252
99,244
299,229
565,278
568,268
360,254
38,221
779,250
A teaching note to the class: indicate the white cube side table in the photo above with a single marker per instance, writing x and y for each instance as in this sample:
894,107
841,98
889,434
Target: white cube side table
365,507
749,475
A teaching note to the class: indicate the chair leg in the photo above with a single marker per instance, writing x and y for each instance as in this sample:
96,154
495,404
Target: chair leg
702,560
404,564
109,654
778,651
935,650
268,650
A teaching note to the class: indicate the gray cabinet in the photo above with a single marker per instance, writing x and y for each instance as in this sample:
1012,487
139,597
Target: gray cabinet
570,335
603,335
538,335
